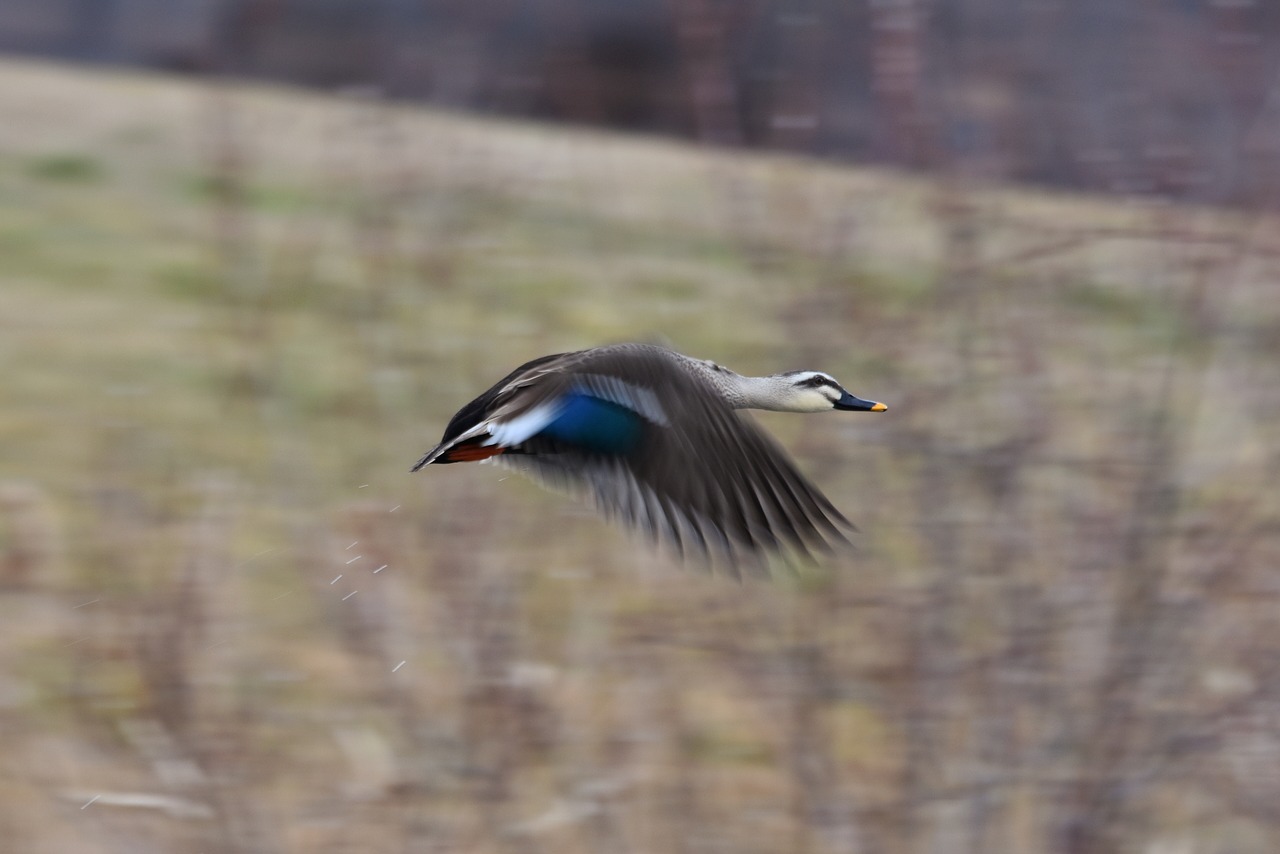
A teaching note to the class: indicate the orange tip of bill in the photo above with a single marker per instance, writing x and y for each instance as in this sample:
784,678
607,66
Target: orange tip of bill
879,407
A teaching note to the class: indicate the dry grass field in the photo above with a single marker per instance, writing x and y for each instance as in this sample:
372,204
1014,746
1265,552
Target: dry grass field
230,621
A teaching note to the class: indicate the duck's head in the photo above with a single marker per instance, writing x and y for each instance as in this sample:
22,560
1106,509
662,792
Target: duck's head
815,391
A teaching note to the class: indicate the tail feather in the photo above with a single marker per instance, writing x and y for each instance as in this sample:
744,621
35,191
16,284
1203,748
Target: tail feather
427,459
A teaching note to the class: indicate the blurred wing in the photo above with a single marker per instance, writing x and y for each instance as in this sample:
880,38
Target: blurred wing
699,475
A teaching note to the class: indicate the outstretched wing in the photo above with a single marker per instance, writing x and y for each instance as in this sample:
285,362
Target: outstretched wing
659,449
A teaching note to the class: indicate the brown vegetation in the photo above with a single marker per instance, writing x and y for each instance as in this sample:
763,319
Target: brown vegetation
232,622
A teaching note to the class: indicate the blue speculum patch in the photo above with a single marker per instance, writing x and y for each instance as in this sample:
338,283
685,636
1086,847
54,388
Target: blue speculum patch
595,425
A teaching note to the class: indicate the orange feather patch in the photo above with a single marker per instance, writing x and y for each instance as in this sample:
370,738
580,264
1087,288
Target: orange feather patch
468,453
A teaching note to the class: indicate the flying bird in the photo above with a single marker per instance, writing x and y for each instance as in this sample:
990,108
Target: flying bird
654,437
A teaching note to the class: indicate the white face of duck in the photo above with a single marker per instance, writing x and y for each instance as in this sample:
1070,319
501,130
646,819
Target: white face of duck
815,391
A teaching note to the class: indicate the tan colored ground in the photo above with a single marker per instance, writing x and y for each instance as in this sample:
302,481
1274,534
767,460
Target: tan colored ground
230,319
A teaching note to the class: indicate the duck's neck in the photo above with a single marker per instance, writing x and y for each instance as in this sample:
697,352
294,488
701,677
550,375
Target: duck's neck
755,392
740,391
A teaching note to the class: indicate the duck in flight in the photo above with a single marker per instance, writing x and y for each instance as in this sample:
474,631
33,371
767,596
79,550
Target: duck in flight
653,436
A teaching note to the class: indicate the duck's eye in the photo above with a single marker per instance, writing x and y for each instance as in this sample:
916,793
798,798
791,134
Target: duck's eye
815,382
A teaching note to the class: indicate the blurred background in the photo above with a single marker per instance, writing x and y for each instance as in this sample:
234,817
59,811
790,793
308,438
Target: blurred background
254,254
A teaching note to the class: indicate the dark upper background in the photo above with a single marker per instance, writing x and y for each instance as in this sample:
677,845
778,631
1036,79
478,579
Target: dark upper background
1178,98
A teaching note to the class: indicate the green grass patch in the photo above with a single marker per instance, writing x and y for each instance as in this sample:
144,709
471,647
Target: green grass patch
258,195
66,168
191,281
1115,304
